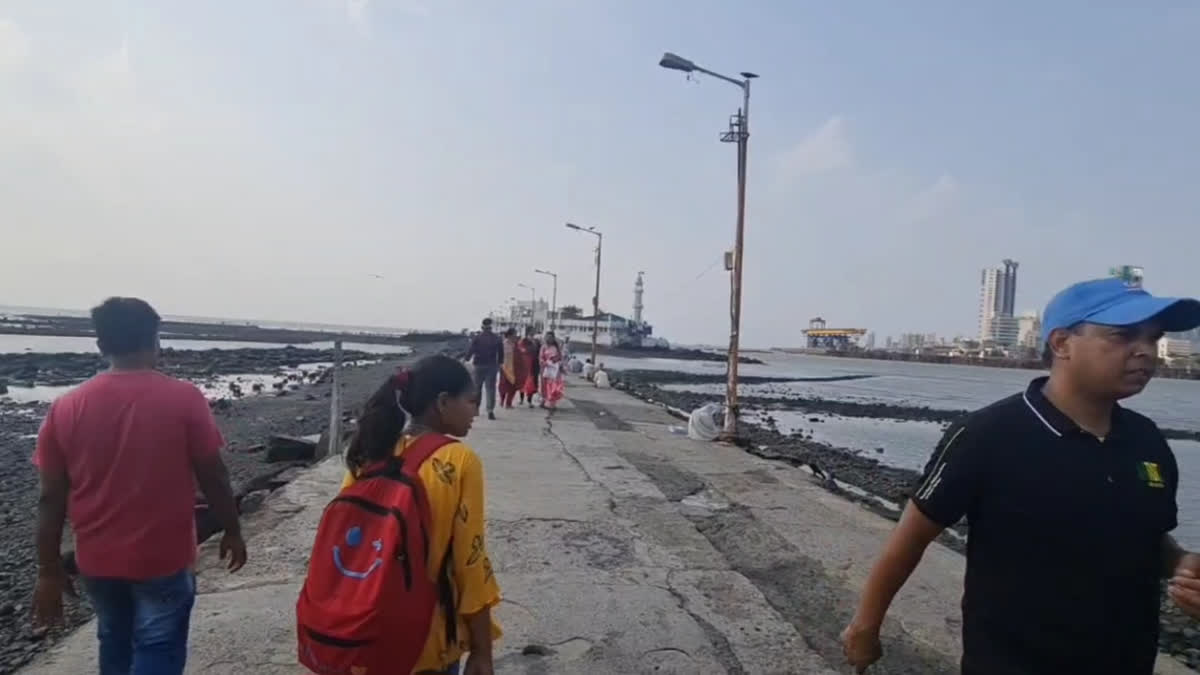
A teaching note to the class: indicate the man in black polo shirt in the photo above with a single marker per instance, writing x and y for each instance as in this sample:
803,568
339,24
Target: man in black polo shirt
1068,497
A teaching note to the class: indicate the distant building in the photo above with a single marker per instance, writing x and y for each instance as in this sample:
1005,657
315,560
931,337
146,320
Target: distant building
1029,331
997,296
1005,333
1130,274
611,329
1172,350
527,312
1192,336
869,343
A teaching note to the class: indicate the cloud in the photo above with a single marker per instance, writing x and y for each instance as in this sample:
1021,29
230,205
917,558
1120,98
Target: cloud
14,46
825,149
357,14
930,202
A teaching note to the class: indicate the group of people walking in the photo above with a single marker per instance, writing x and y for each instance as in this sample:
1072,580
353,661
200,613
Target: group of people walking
517,367
1069,498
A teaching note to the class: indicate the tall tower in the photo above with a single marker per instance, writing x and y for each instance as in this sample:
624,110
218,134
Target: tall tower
638,289
1010,287
997,298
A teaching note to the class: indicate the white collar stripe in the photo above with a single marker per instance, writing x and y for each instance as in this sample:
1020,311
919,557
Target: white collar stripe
1049,426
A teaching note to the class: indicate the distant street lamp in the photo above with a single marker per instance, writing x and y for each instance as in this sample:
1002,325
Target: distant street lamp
596,297
553,298
739,132
532,303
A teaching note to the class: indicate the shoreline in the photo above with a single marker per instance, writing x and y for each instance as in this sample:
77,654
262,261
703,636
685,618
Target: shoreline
676,353
301,408
689,400
1014,364
875,486
29,369
41,325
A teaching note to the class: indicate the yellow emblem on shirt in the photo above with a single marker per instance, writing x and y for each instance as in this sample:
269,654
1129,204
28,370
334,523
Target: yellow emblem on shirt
1150,474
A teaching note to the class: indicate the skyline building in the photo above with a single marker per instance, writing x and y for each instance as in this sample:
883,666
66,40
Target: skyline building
997,297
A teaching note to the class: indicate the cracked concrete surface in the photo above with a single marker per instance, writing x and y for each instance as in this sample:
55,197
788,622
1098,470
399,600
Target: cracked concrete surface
620,548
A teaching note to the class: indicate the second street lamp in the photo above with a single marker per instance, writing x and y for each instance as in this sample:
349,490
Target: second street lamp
553,298
596,297
739,132
532,305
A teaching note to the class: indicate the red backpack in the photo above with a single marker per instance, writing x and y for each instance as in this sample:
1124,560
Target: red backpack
367,602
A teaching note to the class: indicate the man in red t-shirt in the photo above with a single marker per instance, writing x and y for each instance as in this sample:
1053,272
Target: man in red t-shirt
121,456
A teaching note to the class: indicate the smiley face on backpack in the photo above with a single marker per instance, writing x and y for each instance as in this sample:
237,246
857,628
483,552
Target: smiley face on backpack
354,550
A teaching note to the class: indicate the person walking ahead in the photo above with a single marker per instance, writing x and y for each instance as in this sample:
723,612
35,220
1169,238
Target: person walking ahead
487,353
1069,499
121,456
440,397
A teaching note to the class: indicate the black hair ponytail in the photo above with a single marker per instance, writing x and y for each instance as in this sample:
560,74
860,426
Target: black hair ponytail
408,392
380,425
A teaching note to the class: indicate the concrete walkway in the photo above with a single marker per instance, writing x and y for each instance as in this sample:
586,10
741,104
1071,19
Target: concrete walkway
620,548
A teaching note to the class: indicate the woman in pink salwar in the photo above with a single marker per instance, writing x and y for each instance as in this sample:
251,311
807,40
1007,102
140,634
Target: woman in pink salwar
553,377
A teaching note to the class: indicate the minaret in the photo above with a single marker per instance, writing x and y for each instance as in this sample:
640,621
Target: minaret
638,289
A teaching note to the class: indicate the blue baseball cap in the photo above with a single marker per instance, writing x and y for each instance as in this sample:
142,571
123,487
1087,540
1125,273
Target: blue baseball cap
1113,302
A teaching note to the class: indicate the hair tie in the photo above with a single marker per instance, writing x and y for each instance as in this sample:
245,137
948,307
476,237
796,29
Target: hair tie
400,384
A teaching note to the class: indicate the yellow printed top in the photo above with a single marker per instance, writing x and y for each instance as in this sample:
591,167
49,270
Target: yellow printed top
453,479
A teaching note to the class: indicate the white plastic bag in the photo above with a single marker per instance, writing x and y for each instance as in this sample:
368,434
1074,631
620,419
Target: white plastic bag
704,424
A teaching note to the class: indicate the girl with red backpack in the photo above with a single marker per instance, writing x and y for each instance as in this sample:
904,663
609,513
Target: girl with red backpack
404,540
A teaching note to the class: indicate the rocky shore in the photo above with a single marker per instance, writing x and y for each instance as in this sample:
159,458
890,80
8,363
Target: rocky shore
854,475
34,368
649,380
81,326
678,354
248,424
985,362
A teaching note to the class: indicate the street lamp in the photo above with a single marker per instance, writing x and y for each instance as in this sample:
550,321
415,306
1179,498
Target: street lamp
596,297
553,298
739,132
532,304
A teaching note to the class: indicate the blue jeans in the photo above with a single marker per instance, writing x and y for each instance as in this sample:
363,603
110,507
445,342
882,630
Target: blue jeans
143,625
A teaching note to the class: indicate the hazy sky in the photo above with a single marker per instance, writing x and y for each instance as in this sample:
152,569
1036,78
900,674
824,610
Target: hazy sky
265,158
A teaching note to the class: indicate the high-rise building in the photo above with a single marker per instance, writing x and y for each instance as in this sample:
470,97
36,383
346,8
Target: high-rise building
639,289
997,297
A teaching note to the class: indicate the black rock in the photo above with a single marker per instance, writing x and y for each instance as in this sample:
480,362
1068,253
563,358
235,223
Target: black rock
290,449
253,501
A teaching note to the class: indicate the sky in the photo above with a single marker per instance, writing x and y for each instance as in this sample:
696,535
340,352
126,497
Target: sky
408,163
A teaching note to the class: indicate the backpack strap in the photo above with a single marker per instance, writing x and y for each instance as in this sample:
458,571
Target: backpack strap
406,468
421,449
411,460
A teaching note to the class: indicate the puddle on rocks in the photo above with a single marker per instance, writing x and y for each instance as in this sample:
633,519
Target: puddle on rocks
214,387
904,444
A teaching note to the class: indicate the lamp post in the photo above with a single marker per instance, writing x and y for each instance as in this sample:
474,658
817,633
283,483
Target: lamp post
553,298
596,297
739,132
532,304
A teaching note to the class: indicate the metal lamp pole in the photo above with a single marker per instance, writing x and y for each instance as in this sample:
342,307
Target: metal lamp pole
553,298
532,304
739,132
596,297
